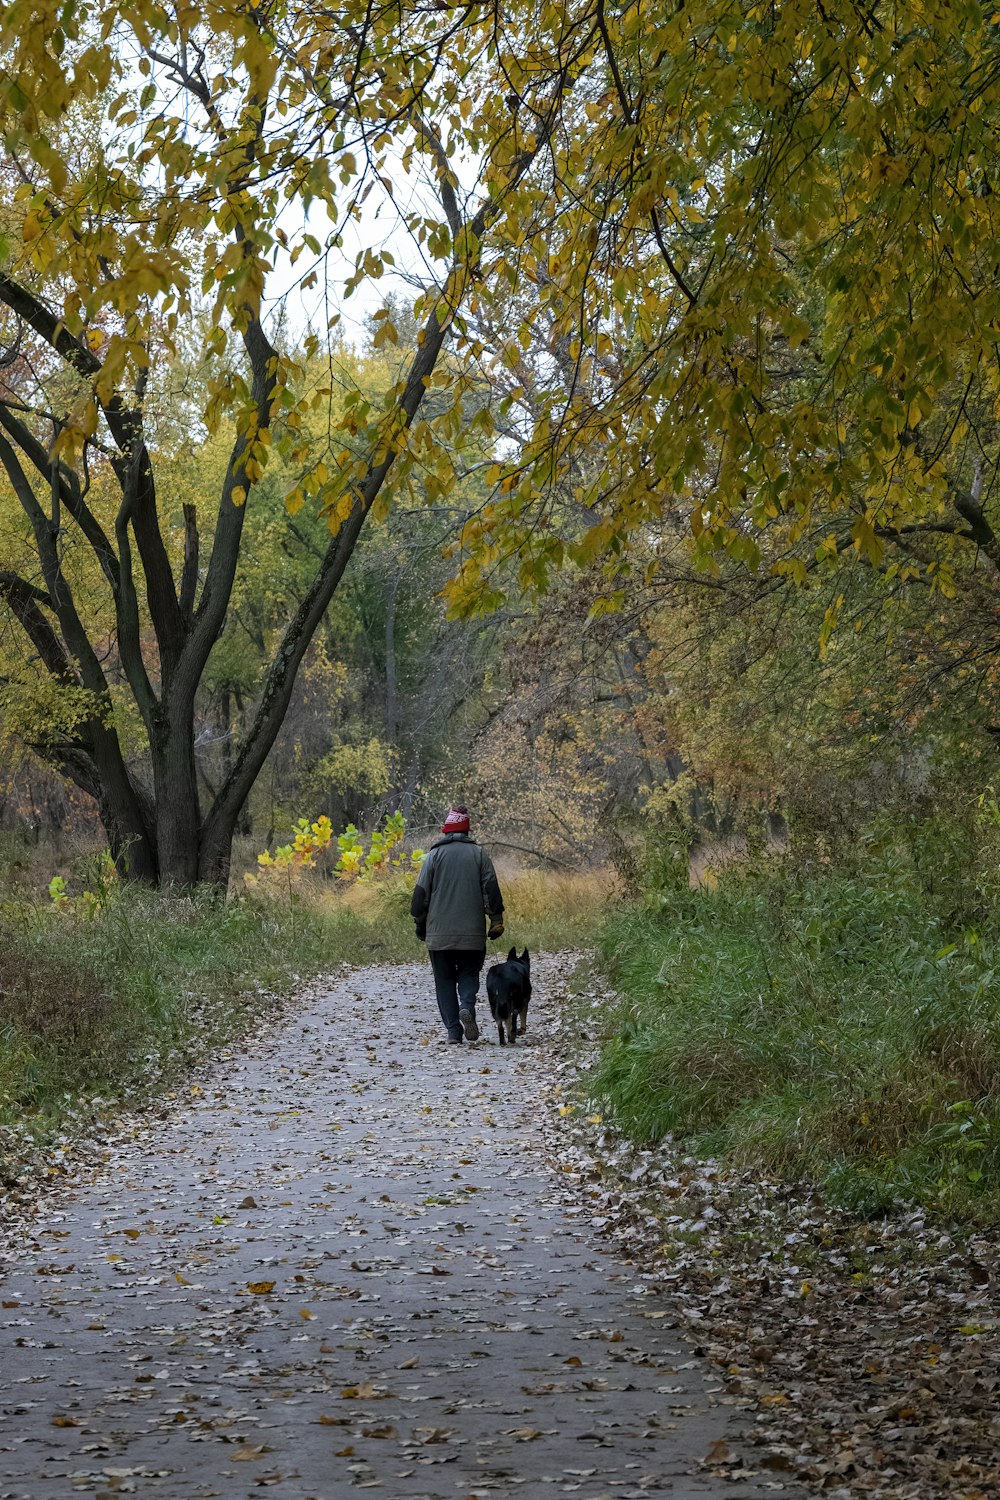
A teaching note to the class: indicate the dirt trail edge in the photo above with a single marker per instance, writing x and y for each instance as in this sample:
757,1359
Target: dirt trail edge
341,1265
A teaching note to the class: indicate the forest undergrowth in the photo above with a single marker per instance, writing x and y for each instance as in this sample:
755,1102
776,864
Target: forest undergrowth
829,1016
110,992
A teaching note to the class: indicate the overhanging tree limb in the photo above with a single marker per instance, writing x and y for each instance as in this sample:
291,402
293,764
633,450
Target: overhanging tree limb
133,468
26,602
969,507
69,487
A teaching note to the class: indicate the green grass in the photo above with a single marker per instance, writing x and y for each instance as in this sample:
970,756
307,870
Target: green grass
833,1026
110,999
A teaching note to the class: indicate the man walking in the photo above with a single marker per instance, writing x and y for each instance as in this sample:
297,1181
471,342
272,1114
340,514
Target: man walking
456,891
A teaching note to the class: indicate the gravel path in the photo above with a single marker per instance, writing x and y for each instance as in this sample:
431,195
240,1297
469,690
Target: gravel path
342,1263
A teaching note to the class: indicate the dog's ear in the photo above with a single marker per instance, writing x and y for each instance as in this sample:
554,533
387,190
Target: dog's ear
525,956
511,954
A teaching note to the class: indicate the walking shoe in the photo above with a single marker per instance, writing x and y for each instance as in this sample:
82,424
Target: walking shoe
468,1020
454,1041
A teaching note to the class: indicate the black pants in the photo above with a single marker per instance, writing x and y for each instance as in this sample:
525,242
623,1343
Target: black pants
456,983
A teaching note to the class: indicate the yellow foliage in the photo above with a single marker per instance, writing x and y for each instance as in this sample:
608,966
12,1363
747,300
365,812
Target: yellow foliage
310,840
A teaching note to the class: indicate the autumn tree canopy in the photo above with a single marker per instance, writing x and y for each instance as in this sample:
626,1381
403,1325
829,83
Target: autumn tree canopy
769,256
160,163
689,266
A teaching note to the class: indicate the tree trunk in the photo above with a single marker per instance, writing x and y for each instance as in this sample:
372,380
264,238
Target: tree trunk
178,814
215,856
124,811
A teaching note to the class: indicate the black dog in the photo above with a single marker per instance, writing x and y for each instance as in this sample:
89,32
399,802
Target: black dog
508,986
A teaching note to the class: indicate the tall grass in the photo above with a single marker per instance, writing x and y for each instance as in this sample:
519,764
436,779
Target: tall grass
110,999
544,912
832,1023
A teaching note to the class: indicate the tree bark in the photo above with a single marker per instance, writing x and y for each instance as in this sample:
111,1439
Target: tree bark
124,812
175,782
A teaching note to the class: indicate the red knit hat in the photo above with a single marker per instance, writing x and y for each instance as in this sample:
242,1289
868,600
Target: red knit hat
457,821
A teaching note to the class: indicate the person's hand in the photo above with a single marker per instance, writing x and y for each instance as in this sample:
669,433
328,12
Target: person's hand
421,930
496,928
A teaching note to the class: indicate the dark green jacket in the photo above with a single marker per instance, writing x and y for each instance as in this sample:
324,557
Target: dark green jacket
456,890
